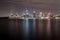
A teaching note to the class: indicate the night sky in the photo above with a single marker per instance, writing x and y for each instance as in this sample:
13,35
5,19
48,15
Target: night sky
18,6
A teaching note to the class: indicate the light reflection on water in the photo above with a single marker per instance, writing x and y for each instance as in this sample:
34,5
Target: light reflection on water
44,24
34,25
26,29
48,27
34,28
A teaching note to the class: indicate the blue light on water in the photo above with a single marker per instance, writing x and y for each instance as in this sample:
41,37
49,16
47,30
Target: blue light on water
34,25
26,29
27,26
34,28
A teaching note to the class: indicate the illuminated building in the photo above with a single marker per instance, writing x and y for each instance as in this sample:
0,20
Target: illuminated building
11,16
17,16
57,17
25,15
34,14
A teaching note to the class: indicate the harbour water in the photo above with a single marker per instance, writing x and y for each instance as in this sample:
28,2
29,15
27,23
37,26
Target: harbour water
30,29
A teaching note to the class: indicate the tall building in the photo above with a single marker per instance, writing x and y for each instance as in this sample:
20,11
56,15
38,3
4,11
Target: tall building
34,14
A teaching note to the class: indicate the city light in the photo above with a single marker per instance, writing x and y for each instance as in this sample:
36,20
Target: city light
26,29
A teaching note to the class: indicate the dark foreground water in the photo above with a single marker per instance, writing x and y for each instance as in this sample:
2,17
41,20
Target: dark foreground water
30,29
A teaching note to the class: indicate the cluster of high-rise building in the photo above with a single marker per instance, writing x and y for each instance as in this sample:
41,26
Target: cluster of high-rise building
26,14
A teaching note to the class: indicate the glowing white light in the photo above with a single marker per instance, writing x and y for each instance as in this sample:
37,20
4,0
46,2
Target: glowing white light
11,14
23,13
34,11
57,17
46,17
27,13
42,17
26,10
40,14
49,14
17,15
